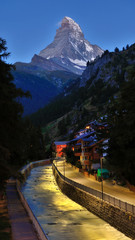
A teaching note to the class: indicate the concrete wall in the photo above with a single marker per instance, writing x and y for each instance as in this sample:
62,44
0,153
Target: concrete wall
119,219
25,172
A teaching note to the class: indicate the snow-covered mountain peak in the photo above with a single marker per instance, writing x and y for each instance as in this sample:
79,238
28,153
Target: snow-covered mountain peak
69,29
70,50
68,22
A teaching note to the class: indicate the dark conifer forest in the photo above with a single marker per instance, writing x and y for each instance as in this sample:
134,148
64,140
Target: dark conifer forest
20,141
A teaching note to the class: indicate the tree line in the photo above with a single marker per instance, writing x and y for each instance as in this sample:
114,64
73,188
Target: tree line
20,141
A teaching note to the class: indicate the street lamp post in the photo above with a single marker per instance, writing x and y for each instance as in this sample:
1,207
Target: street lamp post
64,168
101,163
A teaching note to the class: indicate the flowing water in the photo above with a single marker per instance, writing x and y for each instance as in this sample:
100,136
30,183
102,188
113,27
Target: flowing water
60,217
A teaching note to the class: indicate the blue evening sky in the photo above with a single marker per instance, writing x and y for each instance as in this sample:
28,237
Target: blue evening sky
30,25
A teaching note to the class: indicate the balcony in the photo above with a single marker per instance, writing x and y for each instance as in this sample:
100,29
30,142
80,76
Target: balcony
87,162
77,154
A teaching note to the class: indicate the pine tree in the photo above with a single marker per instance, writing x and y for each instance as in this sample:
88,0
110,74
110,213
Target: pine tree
121,117
116,50
19,140
127,47
10,108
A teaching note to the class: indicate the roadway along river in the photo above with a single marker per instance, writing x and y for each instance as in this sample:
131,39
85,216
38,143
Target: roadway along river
60,217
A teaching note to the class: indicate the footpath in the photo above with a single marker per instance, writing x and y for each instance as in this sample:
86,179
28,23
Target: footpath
122,193
22,228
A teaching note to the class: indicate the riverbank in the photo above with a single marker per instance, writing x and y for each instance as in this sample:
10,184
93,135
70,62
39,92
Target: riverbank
39,202
60,217
122,220
21,225
17,225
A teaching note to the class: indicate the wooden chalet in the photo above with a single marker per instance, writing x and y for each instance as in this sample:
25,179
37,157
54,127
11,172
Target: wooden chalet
58,147
84,145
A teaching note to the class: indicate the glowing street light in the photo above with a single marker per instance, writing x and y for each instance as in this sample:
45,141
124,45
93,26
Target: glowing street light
101,163
64,168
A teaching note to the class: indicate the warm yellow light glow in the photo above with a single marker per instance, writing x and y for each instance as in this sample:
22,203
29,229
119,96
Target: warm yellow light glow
59,216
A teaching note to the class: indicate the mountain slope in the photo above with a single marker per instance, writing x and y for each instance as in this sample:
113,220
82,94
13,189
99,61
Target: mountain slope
43,85
101,80
41,89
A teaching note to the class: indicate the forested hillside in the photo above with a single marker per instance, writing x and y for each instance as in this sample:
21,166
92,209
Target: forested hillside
102,79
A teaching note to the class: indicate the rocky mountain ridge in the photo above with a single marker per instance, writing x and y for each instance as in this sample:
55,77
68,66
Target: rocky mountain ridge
56,66
90,94
111,67
70,49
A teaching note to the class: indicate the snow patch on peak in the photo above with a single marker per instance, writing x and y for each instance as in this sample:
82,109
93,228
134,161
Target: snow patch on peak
69,19
79,67
72,24
88,47
78,62
92,59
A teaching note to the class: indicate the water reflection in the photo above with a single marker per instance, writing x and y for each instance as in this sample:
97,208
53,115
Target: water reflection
60,217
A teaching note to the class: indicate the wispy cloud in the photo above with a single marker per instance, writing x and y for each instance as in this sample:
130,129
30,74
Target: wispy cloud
58,24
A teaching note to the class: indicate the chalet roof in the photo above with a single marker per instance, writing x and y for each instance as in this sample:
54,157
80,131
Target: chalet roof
92,122
85,135
81,130
96,123
89,139
92,143
78,144
102,124
95,143
61,143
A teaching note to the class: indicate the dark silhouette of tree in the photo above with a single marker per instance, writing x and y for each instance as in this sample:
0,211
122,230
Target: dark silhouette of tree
34,144
121,118
69,154
19,140
88,63
116,50
10,108
127,47
106,52
62,126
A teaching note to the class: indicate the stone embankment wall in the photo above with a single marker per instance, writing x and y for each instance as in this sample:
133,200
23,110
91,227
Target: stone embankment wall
116,217
25,173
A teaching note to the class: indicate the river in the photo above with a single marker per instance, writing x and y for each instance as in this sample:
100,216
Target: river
60,217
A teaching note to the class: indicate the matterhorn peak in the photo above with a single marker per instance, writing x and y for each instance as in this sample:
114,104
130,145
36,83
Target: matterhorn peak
69,29
70,23
70,50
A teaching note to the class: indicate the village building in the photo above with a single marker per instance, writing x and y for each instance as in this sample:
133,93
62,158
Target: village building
85,146
58,147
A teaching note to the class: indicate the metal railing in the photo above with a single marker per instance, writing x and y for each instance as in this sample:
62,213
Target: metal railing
127,207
